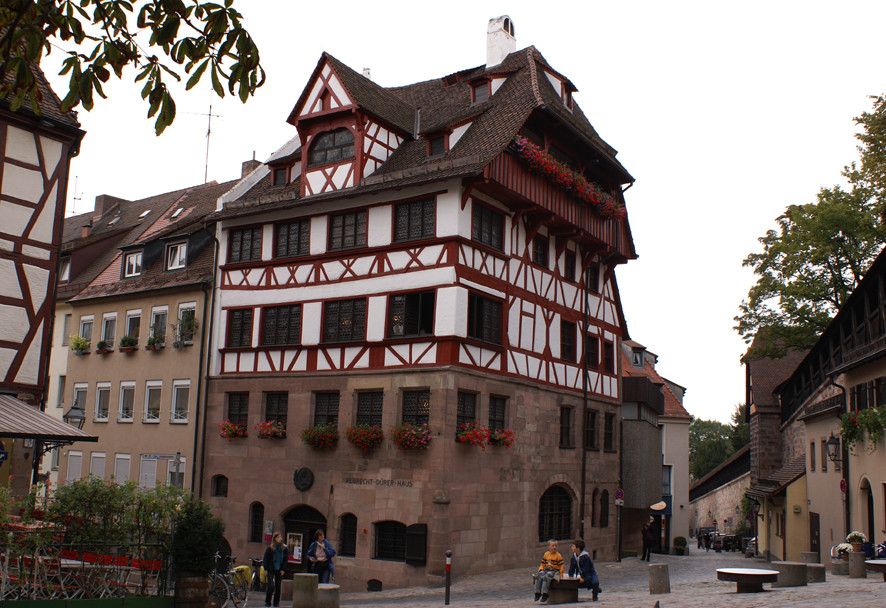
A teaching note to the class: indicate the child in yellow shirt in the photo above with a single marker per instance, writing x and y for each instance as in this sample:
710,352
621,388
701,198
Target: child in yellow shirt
551,567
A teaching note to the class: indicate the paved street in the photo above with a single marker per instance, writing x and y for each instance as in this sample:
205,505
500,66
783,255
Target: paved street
693,580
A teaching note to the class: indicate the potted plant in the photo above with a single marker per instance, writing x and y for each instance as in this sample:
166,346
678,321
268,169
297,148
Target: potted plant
473,433
157,339
321,436
102,348
365,437
843,550
502,437
408,436
271,429
231,430
856,539
79,345
680,547
128,344
196,536
184,331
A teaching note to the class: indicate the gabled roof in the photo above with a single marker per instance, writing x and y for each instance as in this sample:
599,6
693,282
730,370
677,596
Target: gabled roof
767,374
48,103
672,406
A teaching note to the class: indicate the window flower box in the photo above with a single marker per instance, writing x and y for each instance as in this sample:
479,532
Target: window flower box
365,437
232,430
102,348
271,429
408,436
79,345
321,437
855,425
501,437
128,344
473,433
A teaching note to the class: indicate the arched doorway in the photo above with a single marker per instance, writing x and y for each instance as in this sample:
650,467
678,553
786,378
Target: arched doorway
299,525
867,509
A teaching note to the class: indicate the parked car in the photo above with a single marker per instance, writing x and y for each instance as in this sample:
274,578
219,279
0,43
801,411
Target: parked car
725,542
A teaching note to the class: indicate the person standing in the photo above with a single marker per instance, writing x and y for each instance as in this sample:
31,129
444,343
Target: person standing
551,568
273,562
320,554
648,533
582,566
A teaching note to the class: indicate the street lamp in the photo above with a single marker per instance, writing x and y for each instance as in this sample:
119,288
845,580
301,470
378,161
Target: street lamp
75,416
833,447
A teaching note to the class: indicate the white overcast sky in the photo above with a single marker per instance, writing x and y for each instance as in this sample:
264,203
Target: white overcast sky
724,113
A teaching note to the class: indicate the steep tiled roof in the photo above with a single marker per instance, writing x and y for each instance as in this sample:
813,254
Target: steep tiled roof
767,374
672,406
48,103
781,478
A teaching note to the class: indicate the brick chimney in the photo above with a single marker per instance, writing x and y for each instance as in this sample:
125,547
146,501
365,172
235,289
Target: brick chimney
104,204
86,229
248,167
500,40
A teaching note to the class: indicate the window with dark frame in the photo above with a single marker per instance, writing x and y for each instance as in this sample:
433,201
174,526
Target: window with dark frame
480,91
411,314
219,485
344,320
293,239
280,176
569,266
555,514
592,352
370,405
347,230
281,325
608,357
487,226
238,408
276,407
567,341
240,328
498,412
609,432
347,543
256,522
244,245
591,430
604,509
326,408
593,278
466,412
390,541
331,147
484,319
566,427
540,251
415,219
436,145
416,406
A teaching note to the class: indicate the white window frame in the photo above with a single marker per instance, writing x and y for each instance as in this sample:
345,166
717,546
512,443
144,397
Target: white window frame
149,386
80,387
144,466
72,454
160,310
185,306
99,388
64,271
60,398
92,461
176,255
66,327
87,321
110,316
119,458
173,417
129,385
132,264
133,314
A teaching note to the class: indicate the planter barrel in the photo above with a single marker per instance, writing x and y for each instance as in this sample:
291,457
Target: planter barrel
856,546
191,590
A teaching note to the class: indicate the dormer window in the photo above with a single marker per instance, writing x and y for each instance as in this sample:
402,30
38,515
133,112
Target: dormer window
437,145
280,177
132,264
637,358
480,91
177,212
331,147
567,99
64,270
176,256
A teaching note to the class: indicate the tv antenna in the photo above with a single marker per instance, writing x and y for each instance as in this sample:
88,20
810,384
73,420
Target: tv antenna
76,197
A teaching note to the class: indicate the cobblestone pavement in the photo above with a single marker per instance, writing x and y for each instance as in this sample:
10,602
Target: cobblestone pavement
625,584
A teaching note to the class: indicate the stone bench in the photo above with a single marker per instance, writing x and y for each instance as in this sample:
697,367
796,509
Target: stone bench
816,573
328,595
564,591
747,580
877,565
790,574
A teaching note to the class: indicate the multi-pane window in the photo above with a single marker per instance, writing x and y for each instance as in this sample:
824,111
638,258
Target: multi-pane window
347,230
609,432
567,341
347,537
591,430
176,256
187,322
484,318
540,251
256,522
566,427
369,407
153,392
414,220
132,264
280,176
326,408
331,147
86,328
417,406
238,408
344,320
592,352
488,227
80,396
411,314
219,485
555,514
480,91
245,245
240,328
293,239
666,480
498,412
569,266
109,329
277,407
159,317
133,323
467,409
281,325
436,145
181,391
608,357
593,278
102,400
127,400
390,540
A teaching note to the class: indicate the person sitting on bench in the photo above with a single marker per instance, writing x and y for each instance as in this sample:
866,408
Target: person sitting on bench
581,566
551,568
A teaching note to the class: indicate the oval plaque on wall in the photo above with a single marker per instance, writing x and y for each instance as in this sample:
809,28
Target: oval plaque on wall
303,479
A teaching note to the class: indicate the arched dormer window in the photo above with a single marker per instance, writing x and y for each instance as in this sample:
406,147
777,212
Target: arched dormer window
331,147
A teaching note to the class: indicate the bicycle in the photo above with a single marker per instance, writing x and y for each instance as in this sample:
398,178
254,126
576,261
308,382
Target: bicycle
228,589
257,584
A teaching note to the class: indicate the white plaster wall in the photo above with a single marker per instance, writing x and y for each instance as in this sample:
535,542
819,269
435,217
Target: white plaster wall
20,145
457,134
379,226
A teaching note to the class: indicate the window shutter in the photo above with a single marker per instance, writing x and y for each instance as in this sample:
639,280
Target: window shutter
417,544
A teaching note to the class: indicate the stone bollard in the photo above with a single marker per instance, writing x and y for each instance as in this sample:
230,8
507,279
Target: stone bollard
857,568
304,590
327,595
810,557
659,580
815,573
286,590
790,574
840,567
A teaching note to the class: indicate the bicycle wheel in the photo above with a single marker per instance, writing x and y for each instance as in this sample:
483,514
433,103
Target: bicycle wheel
219,592
240,586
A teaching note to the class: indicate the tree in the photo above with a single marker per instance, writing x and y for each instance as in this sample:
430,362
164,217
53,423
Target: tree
107,36
819,253
740,431
709,446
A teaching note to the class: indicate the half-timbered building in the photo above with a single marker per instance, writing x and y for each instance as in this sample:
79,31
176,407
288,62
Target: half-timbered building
442,254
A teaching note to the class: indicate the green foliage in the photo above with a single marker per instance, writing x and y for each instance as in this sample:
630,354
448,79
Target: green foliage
197,536
817,256
855,425
740,435
78,343
107,36
680,542
127,341
709,445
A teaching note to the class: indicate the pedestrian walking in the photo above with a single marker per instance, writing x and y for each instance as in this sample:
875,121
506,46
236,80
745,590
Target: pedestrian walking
648,533
273,561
